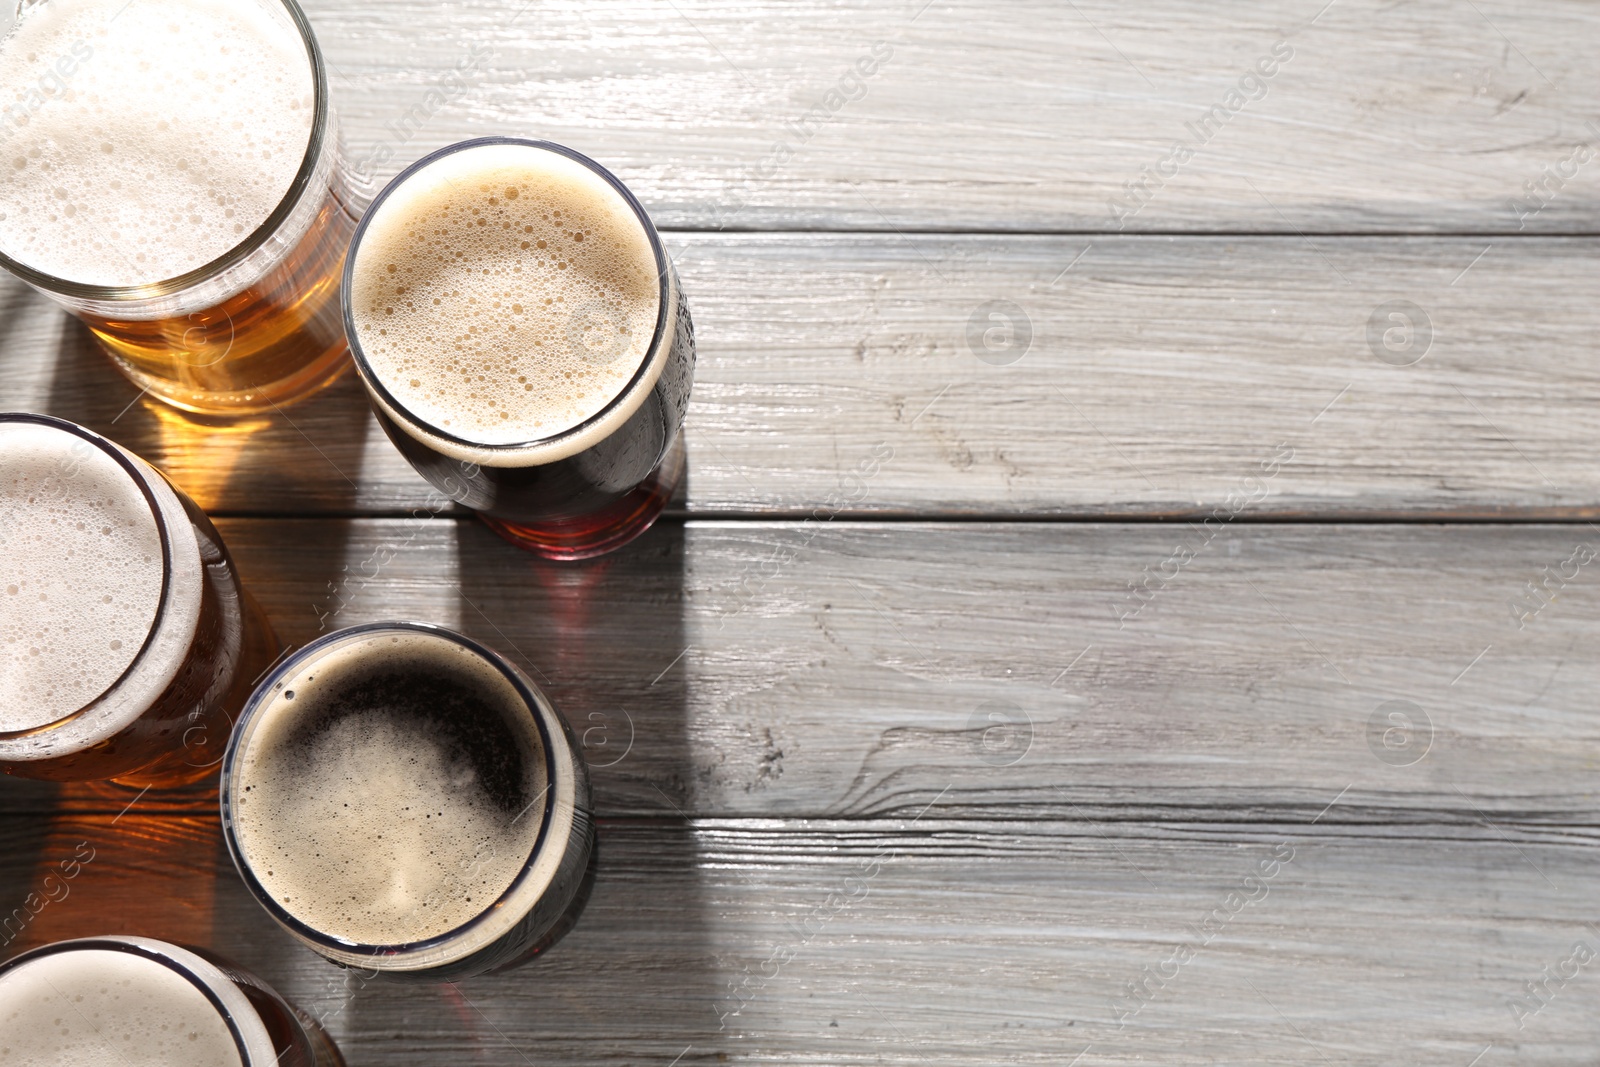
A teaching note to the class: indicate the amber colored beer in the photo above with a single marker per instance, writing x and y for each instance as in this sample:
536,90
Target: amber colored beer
279,340
173,179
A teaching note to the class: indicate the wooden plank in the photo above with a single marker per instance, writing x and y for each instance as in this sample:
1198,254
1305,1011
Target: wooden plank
1011,116
1162,375
940,942
844,669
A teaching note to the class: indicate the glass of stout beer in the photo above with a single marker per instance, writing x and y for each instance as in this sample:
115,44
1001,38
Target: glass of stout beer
172,178
126,642
525,341
402,799
138,1002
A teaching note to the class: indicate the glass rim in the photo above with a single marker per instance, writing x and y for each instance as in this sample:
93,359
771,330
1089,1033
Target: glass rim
109,448
142,949
239,252
663,271
252,708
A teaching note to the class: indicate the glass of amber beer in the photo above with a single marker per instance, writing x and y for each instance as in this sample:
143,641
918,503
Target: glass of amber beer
171,177
525,341
126,643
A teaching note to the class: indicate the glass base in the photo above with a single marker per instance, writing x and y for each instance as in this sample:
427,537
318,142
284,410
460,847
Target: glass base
323,1051
605,530
308,381
164,776
569,917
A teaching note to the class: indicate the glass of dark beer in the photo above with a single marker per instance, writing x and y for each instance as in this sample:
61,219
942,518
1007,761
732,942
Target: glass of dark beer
401,799
173,179
140,1002
126,642
525,341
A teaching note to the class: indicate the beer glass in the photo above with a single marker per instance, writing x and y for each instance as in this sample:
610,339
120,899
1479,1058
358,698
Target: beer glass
400,798
525,341
173,180
126,642
143,1003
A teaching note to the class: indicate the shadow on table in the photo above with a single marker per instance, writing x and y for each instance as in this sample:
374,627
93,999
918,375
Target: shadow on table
305,459
157,863
17,302
634,982
302,459
605,639
24,842
83,874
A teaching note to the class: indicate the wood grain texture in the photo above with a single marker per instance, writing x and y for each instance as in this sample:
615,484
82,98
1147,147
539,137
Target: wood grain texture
970,792
809,669
846,669
1013,116
934,941
836,373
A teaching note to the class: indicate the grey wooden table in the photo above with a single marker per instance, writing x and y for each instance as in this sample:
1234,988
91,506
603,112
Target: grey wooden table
1132,600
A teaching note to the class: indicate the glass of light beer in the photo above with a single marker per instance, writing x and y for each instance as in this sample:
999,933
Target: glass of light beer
171,177
126,642
525,341
139,1002
402,799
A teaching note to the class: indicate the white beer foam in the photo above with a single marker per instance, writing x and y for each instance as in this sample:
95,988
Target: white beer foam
141,141
80,573
100,1008
505,294
369,830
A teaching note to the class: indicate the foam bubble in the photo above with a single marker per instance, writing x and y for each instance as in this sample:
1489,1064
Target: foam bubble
101,1008
505,294
140,141
385,796
80,573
